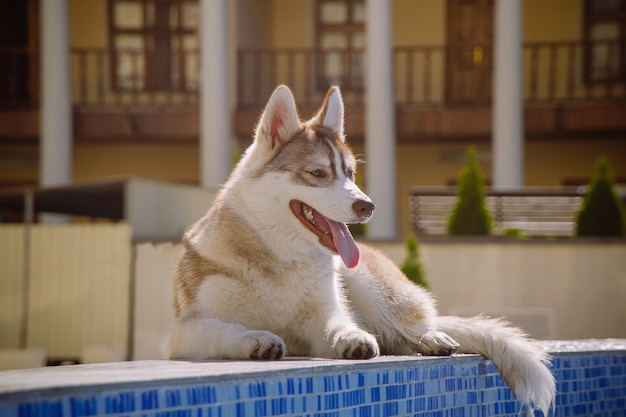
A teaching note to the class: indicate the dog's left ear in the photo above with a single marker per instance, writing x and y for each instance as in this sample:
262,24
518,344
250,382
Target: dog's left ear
279,121
331,114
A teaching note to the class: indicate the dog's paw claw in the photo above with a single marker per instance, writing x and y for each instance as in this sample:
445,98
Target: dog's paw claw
265,346
436,343
270,352
356,345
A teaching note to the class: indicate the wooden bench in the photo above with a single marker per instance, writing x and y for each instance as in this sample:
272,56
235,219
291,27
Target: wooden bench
534,211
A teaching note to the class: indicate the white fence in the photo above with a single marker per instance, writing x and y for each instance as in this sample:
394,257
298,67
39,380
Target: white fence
583,281
65,287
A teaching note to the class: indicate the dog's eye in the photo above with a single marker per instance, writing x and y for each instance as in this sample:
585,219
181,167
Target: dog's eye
318,173
351,174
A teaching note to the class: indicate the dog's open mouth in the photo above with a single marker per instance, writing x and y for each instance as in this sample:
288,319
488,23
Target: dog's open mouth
332,234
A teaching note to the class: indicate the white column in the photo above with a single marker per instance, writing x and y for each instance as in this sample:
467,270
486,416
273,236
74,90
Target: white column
56,108
380,128
215,117
508,105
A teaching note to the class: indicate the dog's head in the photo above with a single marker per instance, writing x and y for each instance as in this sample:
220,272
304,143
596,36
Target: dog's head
312,170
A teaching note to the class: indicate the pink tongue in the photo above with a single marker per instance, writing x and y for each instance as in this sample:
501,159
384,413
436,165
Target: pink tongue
344,243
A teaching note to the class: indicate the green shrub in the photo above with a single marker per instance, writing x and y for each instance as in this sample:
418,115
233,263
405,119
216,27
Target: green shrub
601,211
515,233
412,266
358,229
470,215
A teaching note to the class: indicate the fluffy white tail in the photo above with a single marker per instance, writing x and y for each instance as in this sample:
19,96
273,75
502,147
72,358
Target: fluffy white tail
522,364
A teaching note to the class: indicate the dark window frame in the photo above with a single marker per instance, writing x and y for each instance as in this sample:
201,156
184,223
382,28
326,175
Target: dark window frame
149,78
591,17
352,76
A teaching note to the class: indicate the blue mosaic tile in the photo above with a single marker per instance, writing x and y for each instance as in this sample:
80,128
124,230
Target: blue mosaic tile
587,384
150,400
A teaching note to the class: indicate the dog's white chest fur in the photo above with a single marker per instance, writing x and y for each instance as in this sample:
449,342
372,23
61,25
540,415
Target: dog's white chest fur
272,268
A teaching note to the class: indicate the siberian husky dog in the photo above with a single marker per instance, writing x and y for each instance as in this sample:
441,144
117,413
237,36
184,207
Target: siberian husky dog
272,270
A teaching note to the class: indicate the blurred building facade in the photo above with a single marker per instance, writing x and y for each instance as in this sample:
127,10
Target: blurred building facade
134,84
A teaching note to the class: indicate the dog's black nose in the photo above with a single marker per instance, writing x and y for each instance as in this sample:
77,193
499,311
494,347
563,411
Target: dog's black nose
363,208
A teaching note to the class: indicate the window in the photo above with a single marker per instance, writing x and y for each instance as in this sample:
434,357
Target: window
605,32
341,41
154,44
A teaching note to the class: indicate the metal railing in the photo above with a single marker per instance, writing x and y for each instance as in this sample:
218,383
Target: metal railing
134,77
424,76
435,76
103,77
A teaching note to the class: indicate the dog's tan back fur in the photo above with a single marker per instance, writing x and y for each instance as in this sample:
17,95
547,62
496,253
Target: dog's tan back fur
270,269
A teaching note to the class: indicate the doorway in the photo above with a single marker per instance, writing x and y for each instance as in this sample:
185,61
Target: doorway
18,53
470,52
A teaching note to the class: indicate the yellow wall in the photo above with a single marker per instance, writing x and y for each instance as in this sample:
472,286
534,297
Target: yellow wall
553,161
292,23
173,161
289,23
254,23
88,23
547,163
553,20
423,22
415,23
419,22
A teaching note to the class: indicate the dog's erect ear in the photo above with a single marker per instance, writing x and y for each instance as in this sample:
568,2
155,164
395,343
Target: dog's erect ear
330,114
279,121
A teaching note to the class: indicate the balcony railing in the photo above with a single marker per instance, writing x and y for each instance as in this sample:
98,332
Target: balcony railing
103,77
134,77
432,76
425,76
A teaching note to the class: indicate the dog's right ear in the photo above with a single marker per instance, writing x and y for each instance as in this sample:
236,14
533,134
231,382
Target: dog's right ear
279,121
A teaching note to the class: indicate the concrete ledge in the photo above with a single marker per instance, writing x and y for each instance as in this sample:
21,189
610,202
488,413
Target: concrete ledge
591,379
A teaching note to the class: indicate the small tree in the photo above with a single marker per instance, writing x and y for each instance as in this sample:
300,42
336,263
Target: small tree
470,215
601,212
412,266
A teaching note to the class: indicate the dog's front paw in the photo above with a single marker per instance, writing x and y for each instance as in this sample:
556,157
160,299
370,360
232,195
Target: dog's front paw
355,344
436,343
263,345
